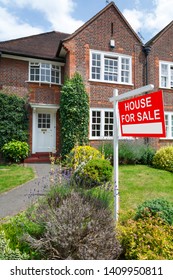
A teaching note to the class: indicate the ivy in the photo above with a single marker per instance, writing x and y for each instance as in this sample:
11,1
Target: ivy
74,114
13,119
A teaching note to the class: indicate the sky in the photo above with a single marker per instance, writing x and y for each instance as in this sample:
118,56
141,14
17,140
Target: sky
21,18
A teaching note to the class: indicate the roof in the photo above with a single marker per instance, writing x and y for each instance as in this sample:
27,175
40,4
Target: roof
43,45
158,35
48,45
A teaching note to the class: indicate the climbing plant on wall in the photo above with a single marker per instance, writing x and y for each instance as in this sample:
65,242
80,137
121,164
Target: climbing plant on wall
74,113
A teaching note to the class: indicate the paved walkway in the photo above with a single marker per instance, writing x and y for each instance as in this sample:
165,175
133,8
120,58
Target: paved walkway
18,199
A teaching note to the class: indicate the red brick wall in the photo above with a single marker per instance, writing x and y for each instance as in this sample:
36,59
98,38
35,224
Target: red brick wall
161,49
97,36
14,80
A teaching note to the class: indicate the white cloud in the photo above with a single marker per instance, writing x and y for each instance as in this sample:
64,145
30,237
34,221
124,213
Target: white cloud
11,26
56,13
149,21
161,16
134,17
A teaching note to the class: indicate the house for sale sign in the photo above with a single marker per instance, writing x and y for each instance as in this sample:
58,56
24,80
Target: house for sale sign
143,116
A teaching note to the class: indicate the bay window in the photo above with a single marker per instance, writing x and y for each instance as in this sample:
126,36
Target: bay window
44,73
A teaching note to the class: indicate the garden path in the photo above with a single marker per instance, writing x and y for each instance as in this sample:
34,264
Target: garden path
21,197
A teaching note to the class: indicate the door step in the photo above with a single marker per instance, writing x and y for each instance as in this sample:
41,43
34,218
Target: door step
40,157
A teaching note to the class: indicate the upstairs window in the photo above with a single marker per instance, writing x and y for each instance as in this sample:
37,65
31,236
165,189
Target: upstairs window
166,74
111,68
44,73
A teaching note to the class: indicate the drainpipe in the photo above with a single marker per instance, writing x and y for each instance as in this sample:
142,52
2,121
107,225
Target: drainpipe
146,50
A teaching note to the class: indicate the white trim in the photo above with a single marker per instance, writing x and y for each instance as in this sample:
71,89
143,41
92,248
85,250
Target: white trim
168,130
168,82
30,59
51,107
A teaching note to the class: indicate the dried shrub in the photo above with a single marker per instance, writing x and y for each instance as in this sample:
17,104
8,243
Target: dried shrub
79,228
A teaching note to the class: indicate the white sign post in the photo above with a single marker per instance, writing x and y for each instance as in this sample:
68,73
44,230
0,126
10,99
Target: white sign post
115,100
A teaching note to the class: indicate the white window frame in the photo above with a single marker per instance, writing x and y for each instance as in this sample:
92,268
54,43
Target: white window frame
102,123
168,77
169,125
45,72
120,68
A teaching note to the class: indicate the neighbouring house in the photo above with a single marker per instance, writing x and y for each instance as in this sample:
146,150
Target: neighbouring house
107,53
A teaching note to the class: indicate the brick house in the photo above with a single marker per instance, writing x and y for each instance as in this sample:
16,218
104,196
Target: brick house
106,52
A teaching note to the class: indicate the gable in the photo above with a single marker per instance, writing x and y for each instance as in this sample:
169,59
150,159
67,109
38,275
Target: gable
108,24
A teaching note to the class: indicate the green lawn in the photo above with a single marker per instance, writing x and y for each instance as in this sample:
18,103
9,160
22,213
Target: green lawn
138,183
14,175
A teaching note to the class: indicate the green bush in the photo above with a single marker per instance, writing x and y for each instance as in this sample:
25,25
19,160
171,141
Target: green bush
147,239
78,228
95,172
6,253
81,154
15,151
159,207
163,159
16,228
13,119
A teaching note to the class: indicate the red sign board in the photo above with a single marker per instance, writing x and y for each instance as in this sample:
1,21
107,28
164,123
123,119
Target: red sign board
143,116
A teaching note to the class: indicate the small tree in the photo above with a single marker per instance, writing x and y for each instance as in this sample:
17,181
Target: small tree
13,119
74,114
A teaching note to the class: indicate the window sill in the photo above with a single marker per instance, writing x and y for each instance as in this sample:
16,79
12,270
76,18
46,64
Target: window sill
109,82
44,83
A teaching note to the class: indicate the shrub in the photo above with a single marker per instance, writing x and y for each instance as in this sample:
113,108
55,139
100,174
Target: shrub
131,152
6,253
147,154
78,228
15,151
82,154
163,159
147,239
16,228
95,172
74,114
13,119
160,207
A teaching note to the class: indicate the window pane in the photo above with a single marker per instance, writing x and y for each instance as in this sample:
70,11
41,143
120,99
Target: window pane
96,66
111,69
164,75
108,127
96,124
125,70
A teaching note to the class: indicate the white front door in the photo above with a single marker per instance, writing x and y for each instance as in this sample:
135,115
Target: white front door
44,133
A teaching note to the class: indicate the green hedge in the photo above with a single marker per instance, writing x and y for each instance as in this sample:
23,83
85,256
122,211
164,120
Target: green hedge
13,119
